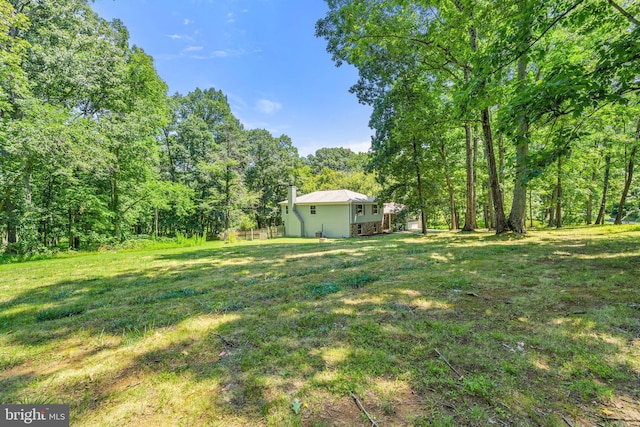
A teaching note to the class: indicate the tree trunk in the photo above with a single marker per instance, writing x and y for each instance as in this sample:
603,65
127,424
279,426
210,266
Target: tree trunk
551,209
227,199
517,216
530,208
416,161
501,154
450,189
589,218
74,241
485,215
12,227
115,202
115,197
470,213
605,188
491,225
498,204
592,191
559,195
628,178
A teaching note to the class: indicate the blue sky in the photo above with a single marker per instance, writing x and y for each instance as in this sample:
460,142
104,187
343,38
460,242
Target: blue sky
262,54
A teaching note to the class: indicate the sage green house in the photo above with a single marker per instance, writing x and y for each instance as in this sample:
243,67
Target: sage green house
334,213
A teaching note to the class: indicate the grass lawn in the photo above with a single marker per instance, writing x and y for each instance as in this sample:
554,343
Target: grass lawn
540,330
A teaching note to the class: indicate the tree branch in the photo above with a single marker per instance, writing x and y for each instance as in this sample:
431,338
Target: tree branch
537,39
626,14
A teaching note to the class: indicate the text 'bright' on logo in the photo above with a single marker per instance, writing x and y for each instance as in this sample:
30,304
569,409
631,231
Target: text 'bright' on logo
34,415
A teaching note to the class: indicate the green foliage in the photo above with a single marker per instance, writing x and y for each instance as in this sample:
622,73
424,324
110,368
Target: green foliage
359,280
479,385
590,390
94,153
296,407
271,169
337,159
429,69
13,81
323,289
186,240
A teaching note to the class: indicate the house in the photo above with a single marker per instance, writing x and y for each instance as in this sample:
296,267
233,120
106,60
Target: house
334,213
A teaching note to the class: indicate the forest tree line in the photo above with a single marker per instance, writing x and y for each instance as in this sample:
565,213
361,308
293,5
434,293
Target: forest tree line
528,108
477,106
93,150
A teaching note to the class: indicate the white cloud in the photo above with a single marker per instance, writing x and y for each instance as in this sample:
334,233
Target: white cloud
193,48
187,21
223,53
359,147
268,107
237,103
180,37
274,129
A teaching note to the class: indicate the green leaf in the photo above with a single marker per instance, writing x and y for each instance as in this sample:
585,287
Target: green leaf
296,407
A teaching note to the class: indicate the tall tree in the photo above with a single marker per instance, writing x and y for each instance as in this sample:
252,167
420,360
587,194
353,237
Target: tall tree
628,175
272,162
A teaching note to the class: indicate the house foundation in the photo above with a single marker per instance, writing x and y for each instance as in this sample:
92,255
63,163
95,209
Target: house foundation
366,228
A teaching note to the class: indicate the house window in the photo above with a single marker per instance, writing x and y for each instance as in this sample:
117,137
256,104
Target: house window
375,228
374,209
312,209
359,229
286,210
359,209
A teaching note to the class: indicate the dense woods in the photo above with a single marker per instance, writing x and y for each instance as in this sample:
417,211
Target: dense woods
500,114
495,112
94,151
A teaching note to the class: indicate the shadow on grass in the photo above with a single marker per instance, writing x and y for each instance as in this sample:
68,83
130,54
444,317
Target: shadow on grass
538,330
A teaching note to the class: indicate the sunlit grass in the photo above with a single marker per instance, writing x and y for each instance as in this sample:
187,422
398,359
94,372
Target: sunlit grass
539,328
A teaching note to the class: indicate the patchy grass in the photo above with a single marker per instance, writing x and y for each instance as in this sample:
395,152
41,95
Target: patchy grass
540,330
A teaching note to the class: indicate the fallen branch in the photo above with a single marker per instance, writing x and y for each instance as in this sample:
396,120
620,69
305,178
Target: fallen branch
447,405
449,365
567,421
224,340
355,398
508,347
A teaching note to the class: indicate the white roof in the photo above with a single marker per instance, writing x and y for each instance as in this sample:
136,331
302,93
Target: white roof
393,208
333,196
